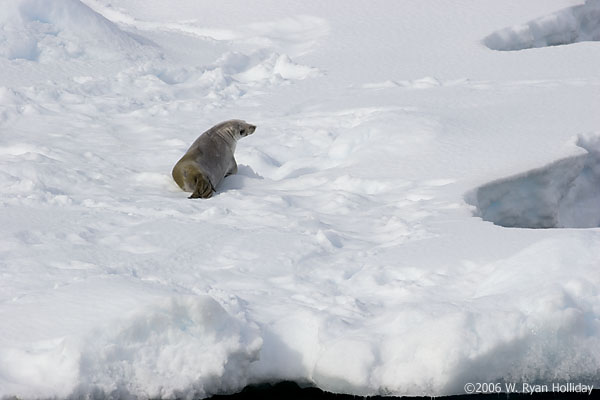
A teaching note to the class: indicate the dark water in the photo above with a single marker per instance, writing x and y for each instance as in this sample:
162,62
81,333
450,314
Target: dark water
291,391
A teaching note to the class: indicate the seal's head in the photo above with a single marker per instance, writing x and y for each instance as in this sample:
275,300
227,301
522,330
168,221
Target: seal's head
246,129
236,128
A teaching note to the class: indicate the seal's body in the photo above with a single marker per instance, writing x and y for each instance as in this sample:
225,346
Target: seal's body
210,158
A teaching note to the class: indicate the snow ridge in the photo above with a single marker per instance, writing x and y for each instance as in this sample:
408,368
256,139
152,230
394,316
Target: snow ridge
38,30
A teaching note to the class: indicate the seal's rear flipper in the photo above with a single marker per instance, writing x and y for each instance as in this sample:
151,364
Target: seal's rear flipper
204,189
198,195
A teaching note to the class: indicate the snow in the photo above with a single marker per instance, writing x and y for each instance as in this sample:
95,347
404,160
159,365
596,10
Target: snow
364,245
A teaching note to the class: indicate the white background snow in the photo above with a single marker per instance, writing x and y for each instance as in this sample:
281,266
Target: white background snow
354,250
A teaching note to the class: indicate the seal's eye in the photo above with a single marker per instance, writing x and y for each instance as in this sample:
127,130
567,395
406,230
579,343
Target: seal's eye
242,131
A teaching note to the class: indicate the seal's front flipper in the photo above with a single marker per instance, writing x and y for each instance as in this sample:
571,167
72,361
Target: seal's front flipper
233,170
203,188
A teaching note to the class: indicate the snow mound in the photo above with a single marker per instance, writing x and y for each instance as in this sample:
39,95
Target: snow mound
173,347
571,25
187,348
276,68
38,30
565,194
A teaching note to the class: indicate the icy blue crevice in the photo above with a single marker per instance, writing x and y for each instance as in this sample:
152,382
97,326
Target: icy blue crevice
571,25
564,194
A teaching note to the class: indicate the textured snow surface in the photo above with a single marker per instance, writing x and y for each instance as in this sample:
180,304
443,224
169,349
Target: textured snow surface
363,245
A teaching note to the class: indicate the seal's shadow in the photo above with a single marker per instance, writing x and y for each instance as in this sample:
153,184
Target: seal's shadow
239,180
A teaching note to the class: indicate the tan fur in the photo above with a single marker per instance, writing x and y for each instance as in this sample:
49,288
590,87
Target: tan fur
191,179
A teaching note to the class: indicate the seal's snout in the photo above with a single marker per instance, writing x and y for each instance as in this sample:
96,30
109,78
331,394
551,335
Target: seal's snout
246,129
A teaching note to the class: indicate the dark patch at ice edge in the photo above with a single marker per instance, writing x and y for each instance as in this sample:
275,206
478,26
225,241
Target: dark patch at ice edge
564,194
571,25
292,391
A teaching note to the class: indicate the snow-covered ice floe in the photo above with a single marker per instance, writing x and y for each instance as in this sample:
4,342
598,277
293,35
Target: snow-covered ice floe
362,247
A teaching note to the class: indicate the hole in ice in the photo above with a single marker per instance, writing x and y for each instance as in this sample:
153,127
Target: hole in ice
571,25
564,194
